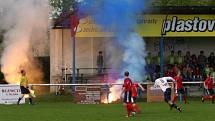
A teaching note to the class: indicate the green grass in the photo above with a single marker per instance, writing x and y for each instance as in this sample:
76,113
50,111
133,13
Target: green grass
55,109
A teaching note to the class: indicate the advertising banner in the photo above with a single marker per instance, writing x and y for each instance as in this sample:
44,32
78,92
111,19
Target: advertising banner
156,94
9,94
87,94
176,25
156,24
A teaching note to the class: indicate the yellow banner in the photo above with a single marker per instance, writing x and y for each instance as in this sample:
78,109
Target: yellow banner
88,28
155,25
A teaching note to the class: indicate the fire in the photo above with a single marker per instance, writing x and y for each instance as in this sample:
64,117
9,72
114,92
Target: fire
24,33
115,93
12,70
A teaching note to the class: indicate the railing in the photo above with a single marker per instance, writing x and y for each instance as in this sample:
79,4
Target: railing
82,76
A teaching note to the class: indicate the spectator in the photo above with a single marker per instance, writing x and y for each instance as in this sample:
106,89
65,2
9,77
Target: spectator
148,59
202,60
147,77
191,67
179,58
157,59
157,62
100,62
206,70
197,75
190,73
169,73
187,58
213,73
174,70
150,69
184,74
194,60
211,59
171,59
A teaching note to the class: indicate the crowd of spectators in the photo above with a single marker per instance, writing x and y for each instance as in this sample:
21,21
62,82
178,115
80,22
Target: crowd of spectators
193,67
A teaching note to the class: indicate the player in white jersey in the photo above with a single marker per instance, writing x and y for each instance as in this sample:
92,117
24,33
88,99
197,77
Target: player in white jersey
163,84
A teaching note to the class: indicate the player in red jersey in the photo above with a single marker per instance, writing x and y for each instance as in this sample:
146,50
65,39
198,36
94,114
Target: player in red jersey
134,96
127,93
208,84
179,89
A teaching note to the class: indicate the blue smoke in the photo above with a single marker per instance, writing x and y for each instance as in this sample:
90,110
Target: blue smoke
134,57
121,16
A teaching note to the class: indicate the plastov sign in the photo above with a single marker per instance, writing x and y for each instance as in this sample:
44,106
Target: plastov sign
194,24
9,94
154,25
176,25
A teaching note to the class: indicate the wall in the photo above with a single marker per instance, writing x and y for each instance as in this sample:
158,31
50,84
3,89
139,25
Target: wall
61,53
87,49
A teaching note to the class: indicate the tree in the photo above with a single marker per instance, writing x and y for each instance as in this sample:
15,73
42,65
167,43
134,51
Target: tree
60,6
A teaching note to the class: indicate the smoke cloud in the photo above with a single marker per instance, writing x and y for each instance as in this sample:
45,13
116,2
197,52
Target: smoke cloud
24,23
127,50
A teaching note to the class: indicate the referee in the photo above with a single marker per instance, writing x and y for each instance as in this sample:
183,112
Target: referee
24,87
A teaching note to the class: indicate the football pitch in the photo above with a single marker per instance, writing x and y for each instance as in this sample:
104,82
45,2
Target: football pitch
63,110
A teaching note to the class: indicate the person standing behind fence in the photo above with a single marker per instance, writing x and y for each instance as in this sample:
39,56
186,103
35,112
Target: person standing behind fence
202,60
148,59
187,58
157,64
171,59
179,58
100,62
211,59
24,87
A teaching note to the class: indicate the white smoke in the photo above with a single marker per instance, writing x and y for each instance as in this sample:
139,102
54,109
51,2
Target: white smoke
24,23
133,58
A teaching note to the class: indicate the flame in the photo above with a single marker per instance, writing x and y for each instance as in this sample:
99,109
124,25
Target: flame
115,93
12,71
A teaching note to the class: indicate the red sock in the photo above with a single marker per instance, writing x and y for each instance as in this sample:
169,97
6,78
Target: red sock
175,98
136,108
129,108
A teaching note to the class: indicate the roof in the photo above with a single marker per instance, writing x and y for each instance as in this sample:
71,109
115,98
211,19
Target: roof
63,21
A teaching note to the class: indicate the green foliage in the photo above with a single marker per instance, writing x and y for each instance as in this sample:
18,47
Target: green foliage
59,6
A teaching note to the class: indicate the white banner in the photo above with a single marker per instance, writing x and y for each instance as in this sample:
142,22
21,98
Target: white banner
9,94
